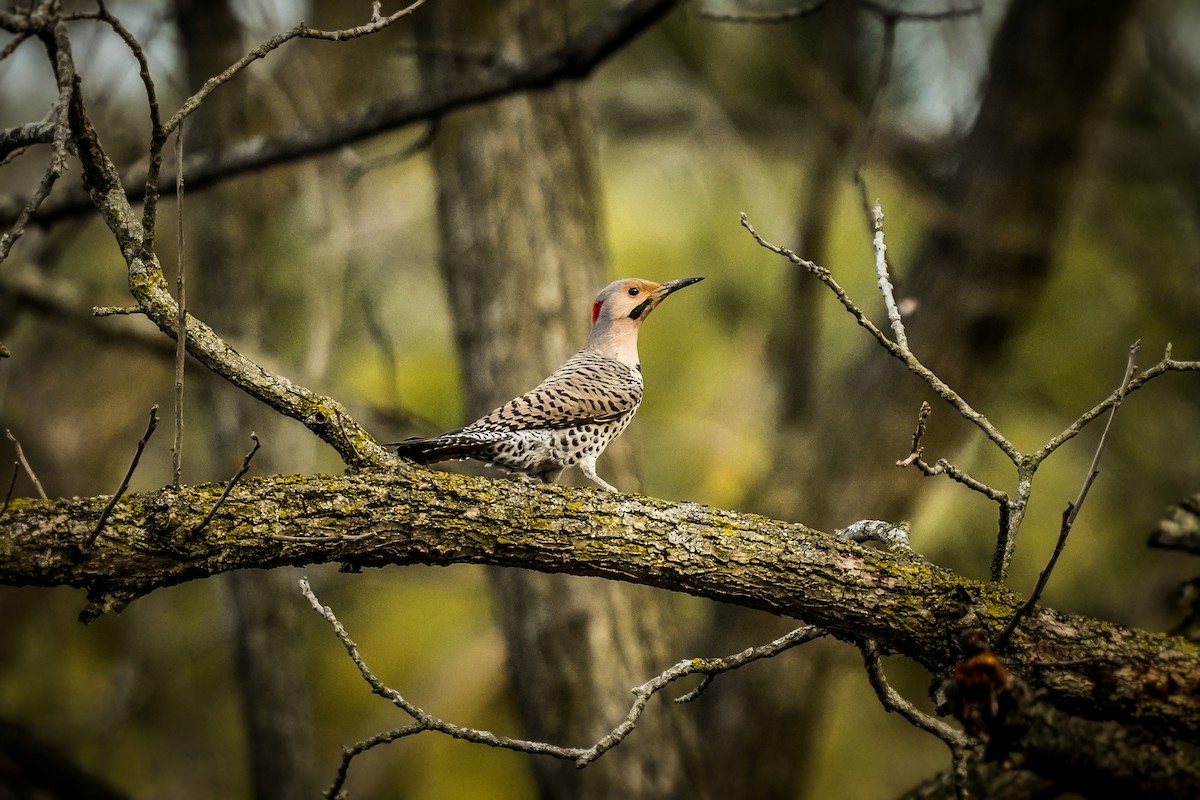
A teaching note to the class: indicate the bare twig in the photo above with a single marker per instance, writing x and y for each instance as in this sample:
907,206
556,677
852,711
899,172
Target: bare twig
212,512
20,138
579,57
141,445
1072,510
940,387
25,463
918,435
64,75
1167,364
885,284
582,756
300,31
114,311
1012,509
12,46
12,484
1094,467
961,745
158,136
944,467
181,318
893,701
139,53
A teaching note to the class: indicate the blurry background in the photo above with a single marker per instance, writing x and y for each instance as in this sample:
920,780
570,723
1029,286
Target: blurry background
1035,239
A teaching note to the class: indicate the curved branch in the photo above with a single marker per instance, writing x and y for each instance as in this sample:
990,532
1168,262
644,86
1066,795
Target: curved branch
324,416
415,517
897,351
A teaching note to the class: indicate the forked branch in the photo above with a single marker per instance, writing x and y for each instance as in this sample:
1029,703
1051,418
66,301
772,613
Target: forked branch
582,756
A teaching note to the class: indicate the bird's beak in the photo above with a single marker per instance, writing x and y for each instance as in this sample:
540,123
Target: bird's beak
659,293
665,289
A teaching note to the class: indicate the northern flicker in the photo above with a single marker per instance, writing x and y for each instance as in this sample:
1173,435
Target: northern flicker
571,416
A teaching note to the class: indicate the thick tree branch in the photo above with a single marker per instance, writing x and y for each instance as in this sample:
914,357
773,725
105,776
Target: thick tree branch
402,517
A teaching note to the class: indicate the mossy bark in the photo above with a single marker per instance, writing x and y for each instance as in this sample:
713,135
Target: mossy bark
1090,667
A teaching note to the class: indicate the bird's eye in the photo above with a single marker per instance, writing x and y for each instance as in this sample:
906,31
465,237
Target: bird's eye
634,291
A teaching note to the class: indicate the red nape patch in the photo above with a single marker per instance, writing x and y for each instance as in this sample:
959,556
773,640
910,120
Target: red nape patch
596,311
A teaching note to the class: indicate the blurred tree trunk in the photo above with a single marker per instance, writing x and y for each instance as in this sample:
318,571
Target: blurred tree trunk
521,256
268,662
779,714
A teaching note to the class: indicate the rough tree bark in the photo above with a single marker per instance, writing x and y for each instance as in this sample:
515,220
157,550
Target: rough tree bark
910,606
521,256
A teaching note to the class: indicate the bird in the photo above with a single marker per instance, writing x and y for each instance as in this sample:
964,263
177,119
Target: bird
570,417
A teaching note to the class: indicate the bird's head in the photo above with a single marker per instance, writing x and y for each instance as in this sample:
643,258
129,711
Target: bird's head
619,311
633,298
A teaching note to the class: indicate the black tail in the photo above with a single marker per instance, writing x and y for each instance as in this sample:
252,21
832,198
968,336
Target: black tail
446,447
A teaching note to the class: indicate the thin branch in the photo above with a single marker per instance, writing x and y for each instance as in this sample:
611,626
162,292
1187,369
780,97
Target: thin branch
1072,510
139,53
424,721
25,463
56,43
324,416
893,701
1094,467
961,745
212,512
1011,510
1167,364
21,137
115,311
350,753
885,283
158,136
181,317
12,484
579,57
940,387
943,466
300,31
12,46
918,435
141,445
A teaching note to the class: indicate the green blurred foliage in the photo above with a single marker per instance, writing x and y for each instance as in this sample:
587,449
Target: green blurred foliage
696,123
